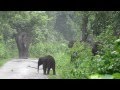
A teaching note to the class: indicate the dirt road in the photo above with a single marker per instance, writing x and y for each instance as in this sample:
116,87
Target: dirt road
21,69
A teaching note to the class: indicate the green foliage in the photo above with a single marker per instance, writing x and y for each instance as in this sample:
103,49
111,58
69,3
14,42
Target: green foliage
101,21
117,47
106,39
3,51
3,61
22,22
7,51
80,68
41,49
99,76
85,66
116,75
109,62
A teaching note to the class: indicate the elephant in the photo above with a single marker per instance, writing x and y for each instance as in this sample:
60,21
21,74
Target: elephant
48,62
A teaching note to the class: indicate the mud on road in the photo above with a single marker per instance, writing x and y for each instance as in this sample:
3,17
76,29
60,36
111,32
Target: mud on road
21,69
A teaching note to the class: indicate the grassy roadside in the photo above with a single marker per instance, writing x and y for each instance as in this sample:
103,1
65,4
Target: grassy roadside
51,76
3,61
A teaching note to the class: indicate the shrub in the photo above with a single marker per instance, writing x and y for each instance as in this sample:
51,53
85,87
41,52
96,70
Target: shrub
109,63
80,68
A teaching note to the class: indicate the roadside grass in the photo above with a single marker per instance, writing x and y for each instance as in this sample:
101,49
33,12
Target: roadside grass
3,61
57,76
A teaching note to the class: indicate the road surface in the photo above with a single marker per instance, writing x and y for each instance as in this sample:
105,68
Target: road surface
21,69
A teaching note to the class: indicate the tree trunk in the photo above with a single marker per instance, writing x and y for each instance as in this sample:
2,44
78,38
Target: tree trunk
84,27
22,44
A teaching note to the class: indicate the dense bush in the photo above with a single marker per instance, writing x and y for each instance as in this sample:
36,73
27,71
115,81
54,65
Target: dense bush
44,48
109,63
7,51
80,68
3,51
85,65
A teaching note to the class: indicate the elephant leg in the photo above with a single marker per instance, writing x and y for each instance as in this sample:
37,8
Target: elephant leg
44,69
48,70
54,73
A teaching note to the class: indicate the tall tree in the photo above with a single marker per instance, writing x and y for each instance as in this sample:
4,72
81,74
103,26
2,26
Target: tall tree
63,25
101,21
84,29
116,22
23,23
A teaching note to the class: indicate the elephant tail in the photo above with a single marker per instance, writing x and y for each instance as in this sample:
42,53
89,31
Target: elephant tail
38,68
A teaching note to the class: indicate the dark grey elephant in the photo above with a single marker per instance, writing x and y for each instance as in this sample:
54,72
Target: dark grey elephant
22,41
48,62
